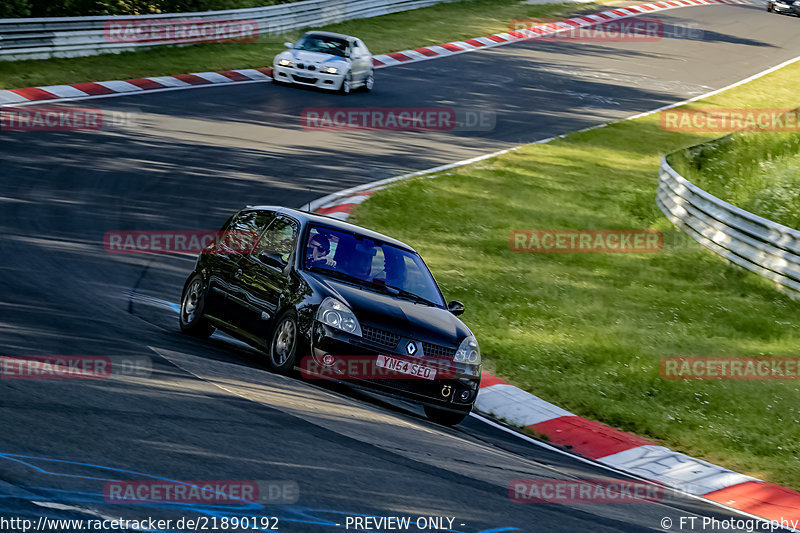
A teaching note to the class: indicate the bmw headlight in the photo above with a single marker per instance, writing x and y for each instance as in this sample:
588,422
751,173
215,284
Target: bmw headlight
468,352
337,315
330,70
286,63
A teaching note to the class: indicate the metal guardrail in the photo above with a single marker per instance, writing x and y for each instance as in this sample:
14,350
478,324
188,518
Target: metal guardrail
748,240
42,38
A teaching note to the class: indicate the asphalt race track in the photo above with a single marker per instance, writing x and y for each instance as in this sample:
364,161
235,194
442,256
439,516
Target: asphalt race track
209,410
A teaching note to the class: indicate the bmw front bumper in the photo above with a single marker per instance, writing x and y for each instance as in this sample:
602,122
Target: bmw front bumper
308,78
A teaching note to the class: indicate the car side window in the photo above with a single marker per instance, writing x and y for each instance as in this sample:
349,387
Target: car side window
240,234
279,239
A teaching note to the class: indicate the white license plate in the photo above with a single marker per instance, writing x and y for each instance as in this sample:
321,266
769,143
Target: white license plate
406,367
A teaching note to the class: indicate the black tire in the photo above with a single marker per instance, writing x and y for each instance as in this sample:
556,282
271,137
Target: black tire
445,418
284,344
347,84
369,81
769,8
192,306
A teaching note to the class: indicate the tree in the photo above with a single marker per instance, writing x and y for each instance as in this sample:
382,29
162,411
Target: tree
15,8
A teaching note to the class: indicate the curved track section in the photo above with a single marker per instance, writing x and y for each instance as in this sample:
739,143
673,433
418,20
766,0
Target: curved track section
209,410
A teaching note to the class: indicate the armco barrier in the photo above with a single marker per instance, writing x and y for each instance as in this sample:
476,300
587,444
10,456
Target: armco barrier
42,38
750,241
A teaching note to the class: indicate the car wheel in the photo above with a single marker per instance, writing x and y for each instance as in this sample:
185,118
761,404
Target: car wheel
192,305
769,8
347,84
445,418
283,347
369,81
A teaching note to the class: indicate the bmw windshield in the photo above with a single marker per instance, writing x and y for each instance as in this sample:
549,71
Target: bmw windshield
323,44
371,264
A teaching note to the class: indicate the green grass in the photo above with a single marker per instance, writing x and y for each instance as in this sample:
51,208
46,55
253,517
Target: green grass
400,31
587,331
757,171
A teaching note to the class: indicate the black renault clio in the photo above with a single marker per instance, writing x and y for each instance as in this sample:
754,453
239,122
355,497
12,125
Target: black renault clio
336,301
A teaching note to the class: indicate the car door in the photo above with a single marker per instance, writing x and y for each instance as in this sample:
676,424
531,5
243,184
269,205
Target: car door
222,261
227,257
263,277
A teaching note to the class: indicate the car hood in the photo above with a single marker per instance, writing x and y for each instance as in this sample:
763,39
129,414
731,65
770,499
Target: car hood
410,319
312,58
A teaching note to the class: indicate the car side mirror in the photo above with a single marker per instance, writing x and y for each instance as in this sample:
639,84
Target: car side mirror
273,260
457,308
288,44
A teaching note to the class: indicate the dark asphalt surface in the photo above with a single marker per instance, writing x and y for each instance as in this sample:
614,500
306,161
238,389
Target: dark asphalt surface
209,411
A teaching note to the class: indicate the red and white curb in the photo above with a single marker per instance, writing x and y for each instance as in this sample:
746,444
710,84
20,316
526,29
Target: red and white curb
101,89
631,454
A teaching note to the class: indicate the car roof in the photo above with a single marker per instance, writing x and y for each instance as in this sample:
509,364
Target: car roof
308,217
331,34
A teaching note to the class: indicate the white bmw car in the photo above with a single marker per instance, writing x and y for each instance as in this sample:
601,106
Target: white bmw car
326,60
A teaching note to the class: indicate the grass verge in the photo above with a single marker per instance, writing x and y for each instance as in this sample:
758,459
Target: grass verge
388,33
757,171
587,331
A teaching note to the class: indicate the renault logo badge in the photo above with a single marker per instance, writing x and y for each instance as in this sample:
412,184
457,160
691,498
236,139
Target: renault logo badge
411,348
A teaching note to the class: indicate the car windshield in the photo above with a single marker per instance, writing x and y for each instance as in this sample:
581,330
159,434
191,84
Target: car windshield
320,43
370,263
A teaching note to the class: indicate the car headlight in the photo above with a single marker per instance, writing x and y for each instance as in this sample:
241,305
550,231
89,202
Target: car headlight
286,63
468,352
330,70
337,315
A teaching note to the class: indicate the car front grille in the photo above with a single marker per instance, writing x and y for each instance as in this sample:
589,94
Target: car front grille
304,79
438,352
379,336
388,339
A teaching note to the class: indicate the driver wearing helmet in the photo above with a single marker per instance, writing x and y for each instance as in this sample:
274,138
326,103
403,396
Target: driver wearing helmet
319,247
